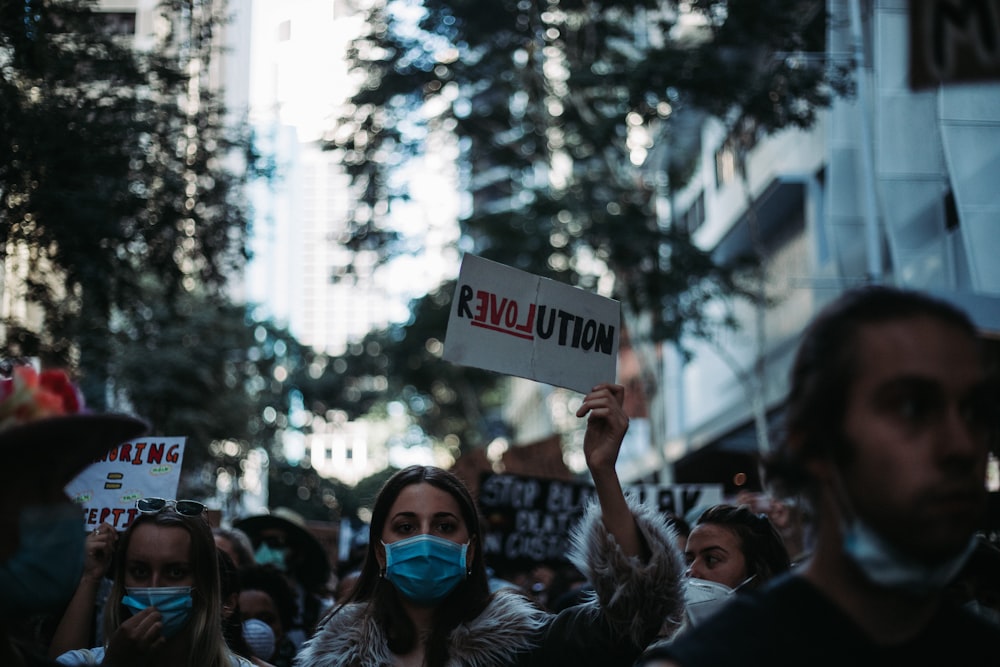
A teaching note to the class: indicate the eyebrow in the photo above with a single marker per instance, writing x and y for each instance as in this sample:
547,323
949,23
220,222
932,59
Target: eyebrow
436,515
983,388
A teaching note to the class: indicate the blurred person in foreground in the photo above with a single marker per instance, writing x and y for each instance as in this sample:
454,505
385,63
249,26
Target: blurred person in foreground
890,416
423,597
46,439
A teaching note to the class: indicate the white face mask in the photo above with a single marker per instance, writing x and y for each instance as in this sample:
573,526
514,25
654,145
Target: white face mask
702,598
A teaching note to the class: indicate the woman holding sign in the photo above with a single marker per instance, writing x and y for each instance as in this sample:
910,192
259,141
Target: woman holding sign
423,597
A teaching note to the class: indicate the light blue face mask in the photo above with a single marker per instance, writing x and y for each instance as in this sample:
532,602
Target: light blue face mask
424,568
886,566
46,568
268,555
173,602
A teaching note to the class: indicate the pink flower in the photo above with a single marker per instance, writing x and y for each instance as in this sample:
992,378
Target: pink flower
28,395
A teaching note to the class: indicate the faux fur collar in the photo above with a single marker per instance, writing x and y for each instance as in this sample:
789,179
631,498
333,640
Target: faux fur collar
506,626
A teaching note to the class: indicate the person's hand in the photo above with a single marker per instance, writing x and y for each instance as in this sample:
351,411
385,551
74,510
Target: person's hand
100,548
607,424
137,637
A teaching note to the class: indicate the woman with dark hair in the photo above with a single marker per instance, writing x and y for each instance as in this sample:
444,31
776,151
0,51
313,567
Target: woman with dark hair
729,548
165,606
757,554
423,596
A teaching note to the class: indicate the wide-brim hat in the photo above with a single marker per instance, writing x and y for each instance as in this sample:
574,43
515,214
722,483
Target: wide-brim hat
65,445
315,567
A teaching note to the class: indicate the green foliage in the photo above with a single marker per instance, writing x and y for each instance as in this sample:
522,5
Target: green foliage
576,122
530,84
121,205
112,169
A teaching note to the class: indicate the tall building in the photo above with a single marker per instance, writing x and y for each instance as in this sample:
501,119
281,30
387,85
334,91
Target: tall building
301,275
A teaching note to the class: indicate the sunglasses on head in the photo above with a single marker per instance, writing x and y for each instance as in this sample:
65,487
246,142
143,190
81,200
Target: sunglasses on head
182,507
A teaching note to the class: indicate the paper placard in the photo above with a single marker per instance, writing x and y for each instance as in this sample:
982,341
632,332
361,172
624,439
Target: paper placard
107,489
508,321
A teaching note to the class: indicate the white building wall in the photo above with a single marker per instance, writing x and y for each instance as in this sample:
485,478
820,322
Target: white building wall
923,144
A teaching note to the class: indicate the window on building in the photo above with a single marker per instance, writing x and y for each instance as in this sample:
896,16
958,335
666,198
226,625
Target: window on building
725,165
694,217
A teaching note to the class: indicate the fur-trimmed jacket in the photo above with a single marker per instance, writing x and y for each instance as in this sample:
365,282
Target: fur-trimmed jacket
630,602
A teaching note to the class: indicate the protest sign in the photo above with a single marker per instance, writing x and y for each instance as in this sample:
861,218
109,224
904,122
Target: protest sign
529,519
512,322
107,489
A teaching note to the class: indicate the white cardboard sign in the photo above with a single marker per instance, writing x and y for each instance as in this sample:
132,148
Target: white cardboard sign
508,321
107,489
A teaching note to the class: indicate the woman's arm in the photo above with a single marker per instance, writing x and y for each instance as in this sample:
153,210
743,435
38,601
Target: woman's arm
607,424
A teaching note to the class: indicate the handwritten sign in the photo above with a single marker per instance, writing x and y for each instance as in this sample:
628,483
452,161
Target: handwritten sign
512,322
529,519
107,489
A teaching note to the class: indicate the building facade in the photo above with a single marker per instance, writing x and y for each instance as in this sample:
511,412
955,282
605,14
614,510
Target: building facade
895,185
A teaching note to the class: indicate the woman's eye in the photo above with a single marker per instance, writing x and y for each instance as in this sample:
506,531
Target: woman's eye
446,527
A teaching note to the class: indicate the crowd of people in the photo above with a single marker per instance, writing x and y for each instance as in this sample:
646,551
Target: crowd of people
867,545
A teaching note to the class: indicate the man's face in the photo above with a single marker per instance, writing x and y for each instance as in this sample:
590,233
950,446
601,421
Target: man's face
916,421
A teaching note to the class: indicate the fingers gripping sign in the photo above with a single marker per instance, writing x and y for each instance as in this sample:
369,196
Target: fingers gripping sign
607,424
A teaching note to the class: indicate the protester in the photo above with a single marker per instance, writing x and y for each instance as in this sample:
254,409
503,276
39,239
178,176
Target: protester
423,597
251,639
165,606
729,549
889,418
281,539
236,544
46,439
267,596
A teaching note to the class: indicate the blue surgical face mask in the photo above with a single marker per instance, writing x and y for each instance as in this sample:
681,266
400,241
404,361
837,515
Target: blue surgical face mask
424,568
46,568
268,555
173,602
884,565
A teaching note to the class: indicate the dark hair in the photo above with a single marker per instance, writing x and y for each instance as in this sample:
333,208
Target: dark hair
232,623
240,542
271,581
468,599
825,368
763,548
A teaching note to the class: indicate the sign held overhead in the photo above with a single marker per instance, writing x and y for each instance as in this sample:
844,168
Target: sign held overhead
512,322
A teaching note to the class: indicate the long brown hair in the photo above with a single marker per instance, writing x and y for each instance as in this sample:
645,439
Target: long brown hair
468,599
